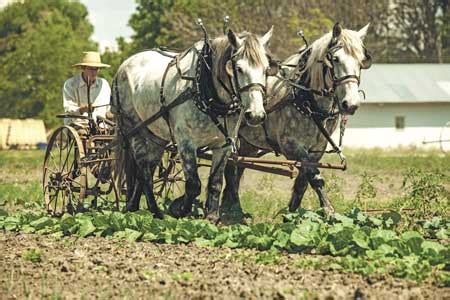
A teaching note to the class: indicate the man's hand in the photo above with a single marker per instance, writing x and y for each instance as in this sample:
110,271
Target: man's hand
83,109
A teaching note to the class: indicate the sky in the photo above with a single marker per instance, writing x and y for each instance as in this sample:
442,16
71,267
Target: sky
110,19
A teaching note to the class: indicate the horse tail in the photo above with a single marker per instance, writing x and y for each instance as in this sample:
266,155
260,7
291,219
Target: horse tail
125,165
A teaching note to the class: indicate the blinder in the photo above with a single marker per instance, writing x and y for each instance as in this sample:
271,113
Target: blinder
367,62
274,67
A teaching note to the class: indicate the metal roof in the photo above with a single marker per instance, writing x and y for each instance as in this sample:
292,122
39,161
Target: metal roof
406,83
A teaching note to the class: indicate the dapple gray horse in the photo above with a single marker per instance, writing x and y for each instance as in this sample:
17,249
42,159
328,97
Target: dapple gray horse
333,61
150,80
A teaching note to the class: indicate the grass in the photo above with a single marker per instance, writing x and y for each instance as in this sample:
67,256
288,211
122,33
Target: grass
374,179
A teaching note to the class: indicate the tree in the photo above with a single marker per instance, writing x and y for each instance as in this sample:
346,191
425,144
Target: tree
151,25
417,29
39,41
172,22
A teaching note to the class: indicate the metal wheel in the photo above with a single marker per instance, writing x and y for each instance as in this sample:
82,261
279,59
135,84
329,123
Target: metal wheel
168,180
64,177
444,138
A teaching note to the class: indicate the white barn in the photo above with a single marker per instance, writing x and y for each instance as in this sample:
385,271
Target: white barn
406,104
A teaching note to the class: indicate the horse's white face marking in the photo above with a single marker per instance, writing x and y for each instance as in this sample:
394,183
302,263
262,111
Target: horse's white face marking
345,64
347,91
250,65
252,99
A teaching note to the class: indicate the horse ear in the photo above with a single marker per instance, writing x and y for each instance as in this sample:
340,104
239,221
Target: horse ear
337,29
266,37
229,68
363,32
234,40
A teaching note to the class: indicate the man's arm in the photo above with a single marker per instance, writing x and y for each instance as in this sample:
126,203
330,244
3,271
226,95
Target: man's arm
102,100
69,101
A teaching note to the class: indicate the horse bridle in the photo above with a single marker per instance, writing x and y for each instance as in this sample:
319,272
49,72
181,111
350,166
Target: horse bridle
237,89
329,69
328,64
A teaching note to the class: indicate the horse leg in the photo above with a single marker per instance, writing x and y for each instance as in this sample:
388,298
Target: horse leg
134,196
230,197
134,188
146,156
231,204
318,184
215,182
192,186
299,189
147,188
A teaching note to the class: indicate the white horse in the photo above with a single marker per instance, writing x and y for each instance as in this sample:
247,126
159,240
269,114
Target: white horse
331,63
235,78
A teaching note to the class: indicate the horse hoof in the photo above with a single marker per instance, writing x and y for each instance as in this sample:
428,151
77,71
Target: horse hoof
130,209
158,214
328,210
213,218
177,209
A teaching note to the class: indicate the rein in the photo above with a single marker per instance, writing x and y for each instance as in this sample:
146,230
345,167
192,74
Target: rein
307,104
204,94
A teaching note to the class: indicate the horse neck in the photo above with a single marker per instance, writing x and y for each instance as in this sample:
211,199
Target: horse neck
218,73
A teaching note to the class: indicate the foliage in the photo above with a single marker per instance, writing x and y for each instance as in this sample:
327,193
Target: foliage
115,58
365,243
366,189
426,193
39,41
33,255
423,37
152,24
418,29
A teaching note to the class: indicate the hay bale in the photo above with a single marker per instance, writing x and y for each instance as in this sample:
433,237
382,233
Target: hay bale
22,134
4,133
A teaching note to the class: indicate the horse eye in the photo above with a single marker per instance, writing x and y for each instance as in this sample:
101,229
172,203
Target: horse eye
239,69
335,59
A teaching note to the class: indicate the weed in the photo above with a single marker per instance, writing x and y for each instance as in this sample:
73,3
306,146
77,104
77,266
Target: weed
366,190
180,277
425,193
33,255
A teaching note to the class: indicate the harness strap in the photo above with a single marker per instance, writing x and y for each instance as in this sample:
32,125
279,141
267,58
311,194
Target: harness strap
183,97
326,134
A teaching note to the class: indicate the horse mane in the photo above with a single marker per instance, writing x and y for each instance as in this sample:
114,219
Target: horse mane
350,42
251,50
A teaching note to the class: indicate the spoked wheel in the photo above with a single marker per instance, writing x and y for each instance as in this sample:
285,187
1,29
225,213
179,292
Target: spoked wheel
169,180
64,180
444,138
100,183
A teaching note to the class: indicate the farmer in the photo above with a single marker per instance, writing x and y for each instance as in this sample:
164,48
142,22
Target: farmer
75,91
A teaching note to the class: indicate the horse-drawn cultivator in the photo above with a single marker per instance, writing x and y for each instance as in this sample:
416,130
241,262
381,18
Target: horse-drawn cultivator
214,101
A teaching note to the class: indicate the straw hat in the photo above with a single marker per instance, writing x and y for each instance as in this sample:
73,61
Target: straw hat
91,59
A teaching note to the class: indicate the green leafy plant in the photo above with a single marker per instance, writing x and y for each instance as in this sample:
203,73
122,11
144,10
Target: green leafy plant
426,193
33,255
355,242
366,190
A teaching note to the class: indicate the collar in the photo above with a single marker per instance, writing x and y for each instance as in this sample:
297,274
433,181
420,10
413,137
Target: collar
82,83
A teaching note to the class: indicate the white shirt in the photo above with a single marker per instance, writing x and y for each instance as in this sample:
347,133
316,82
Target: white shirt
75,95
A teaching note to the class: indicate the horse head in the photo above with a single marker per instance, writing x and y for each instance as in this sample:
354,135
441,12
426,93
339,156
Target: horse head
344,56
243,65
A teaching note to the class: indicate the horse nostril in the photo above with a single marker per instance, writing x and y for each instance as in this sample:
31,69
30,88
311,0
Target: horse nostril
345,105
352,109
264,116
248,115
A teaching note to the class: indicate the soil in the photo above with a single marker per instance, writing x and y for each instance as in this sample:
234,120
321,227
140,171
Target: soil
101,268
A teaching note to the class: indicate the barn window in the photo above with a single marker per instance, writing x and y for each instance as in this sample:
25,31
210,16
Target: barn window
399,122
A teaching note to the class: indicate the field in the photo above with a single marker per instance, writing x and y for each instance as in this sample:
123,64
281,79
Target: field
399,253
